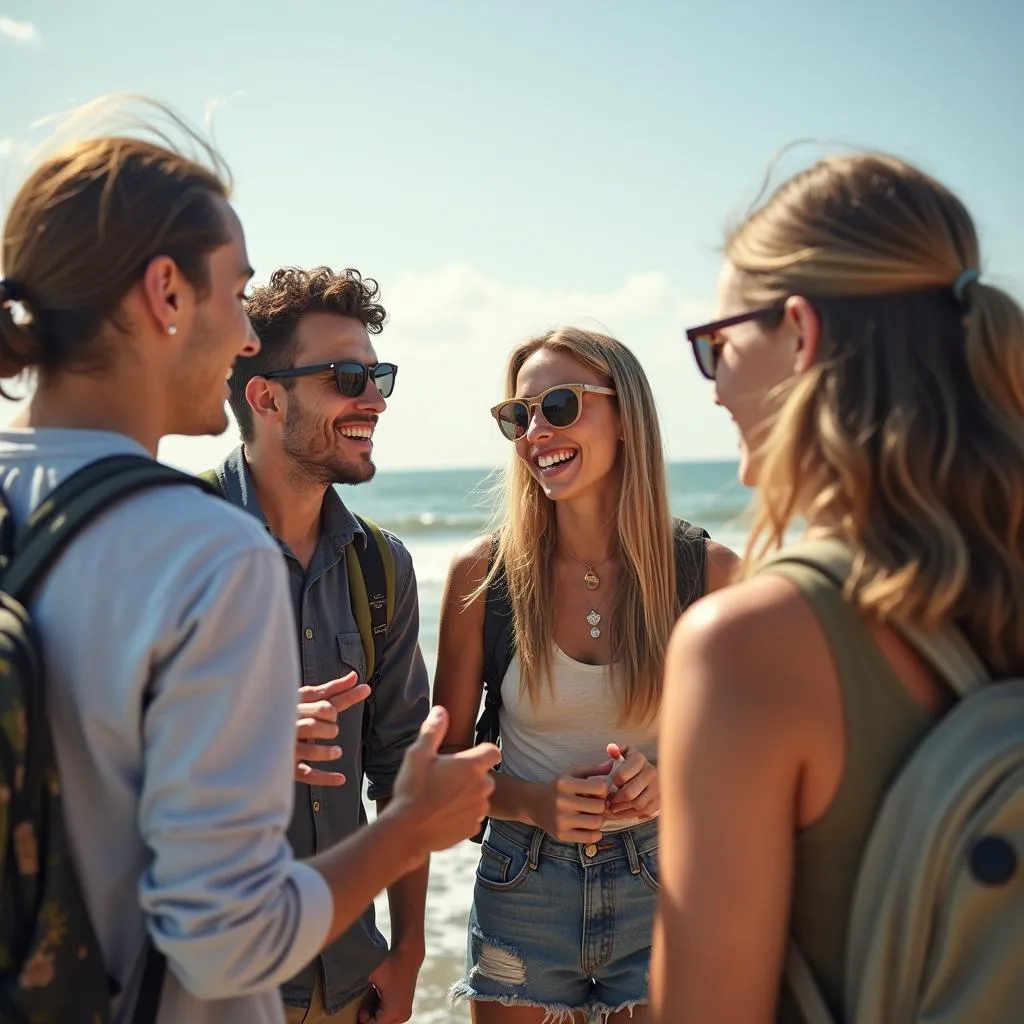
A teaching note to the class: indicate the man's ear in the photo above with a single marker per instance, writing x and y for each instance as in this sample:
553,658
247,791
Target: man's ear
266,399
168,296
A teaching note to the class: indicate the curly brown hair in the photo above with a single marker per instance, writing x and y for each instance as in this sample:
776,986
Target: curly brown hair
275,310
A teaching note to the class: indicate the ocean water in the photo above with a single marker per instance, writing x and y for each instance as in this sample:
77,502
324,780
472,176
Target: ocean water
435,513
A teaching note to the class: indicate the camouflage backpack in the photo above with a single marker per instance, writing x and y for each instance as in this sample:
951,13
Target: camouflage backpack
936,931
51,967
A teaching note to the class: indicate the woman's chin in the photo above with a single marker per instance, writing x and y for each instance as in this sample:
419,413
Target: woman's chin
747,471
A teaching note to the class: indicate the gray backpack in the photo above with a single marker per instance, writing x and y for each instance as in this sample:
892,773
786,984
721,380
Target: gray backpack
936,934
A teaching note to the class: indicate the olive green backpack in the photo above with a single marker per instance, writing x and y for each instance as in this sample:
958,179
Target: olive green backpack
936,934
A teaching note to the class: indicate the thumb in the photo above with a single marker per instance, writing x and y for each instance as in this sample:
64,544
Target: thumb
614,751
485,756
432,733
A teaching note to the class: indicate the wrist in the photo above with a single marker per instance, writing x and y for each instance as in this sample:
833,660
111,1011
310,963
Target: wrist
412,948
534,799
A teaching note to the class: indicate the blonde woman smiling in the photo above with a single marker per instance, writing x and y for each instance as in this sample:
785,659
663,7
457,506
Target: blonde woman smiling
594,574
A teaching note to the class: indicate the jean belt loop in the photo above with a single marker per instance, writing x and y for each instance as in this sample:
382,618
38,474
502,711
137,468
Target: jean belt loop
631,851
538,838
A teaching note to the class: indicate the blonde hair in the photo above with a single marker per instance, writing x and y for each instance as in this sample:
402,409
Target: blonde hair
645,605
907,435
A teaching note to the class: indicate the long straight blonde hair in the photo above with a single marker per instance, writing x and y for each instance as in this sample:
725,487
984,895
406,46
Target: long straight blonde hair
907,435
645,605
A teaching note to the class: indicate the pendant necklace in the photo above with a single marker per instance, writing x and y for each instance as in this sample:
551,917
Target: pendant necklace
591,581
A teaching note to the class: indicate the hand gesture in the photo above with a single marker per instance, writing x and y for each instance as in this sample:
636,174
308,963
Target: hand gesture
318,710
442,797
575,804
636,782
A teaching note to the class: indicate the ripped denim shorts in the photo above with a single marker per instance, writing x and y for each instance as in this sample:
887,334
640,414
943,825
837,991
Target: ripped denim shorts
562,926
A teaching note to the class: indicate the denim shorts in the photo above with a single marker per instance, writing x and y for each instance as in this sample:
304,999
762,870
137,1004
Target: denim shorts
562,926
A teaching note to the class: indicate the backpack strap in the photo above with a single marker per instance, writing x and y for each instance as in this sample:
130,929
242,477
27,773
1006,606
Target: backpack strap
72,505
804,988
499,648
691,558
371,584
946,650
53,525
211,477
148,1003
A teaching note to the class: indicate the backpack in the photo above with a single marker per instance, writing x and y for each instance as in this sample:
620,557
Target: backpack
371,585
689,544
937,924
51,966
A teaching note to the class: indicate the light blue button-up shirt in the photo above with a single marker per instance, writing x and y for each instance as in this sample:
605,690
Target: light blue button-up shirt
169,645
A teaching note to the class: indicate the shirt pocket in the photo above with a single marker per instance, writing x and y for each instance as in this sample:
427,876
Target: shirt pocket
357,721
351,656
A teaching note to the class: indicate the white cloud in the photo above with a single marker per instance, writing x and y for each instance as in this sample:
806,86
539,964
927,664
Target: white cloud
19,31
451,331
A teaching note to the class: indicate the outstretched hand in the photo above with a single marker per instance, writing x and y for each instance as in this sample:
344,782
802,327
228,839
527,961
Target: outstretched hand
317,712
443,797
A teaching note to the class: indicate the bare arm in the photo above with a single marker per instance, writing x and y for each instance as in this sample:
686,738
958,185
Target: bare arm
458,684
730,759
407,901
437,802
568,808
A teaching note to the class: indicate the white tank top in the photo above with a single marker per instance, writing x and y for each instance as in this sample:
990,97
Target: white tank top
573,722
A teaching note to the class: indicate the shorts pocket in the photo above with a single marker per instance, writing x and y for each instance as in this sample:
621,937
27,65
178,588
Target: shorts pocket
503,865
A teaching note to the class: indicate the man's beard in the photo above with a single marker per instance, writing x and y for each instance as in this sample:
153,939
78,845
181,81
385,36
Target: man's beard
311,447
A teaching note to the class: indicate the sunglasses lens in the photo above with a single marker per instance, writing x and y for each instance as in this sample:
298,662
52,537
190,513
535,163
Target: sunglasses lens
561,407
351,379
513,420
706,351
384,378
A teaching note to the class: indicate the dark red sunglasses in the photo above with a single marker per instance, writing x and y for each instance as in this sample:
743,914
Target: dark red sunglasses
706,341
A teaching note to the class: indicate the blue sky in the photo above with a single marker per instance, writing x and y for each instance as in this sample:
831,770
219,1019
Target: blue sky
502,167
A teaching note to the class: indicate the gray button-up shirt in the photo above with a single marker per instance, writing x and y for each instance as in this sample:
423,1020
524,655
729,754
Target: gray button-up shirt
330,646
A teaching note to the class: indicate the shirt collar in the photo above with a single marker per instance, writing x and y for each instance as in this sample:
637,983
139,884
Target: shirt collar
339,524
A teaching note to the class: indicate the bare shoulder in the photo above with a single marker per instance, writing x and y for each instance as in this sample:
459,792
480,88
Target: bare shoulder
470,563
467,572
749,642
721,564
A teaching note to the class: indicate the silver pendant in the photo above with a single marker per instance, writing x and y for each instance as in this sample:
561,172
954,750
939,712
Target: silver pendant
594,618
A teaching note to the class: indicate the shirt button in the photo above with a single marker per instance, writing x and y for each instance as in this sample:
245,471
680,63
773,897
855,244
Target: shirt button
309,633
591,850
316,805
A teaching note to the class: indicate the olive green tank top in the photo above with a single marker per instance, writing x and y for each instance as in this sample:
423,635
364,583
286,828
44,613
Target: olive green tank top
883,726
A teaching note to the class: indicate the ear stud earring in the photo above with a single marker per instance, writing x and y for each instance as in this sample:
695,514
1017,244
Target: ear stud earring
172,328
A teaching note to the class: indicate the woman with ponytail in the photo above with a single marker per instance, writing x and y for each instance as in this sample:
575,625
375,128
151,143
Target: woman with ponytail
876,379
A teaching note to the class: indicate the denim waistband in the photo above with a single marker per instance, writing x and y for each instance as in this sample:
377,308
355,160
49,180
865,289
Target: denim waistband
629,844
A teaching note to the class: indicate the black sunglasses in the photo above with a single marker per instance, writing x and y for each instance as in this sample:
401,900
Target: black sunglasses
707,344
350,376
560,406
